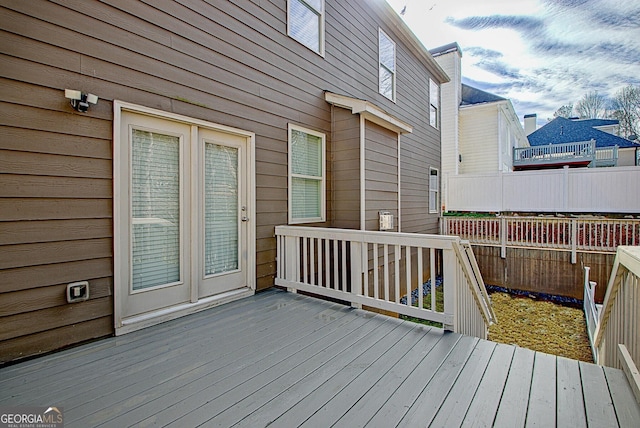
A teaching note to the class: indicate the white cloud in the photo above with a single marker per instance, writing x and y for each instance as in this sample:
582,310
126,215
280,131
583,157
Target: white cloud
540,53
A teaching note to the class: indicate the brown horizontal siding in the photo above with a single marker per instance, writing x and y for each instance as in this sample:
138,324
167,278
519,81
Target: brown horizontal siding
48,297
222,62
21,232
29,277
40,343
16,209
50,318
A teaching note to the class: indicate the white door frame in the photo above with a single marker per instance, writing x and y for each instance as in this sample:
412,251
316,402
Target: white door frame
126,325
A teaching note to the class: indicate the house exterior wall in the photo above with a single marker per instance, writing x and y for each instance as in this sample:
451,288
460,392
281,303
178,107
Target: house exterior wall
380,174
229,63
451,94
345,169
478,139
628,156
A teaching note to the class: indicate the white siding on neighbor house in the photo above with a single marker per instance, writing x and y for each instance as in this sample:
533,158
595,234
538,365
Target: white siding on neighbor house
450,97
627,157
510,135
478,139
576,190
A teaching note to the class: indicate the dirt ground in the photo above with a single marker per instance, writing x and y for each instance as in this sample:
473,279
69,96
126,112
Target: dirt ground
541,326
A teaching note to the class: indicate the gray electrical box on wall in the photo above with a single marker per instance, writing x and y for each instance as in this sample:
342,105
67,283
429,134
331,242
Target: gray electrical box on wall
386,220
77,291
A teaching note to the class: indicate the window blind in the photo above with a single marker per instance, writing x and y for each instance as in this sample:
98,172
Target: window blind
304,22
306,169
221,209
155,209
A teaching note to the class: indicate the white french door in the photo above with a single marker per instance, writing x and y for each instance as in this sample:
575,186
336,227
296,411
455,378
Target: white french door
182,217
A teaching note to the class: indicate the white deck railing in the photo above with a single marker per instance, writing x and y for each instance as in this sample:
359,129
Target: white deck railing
618,335
377,269
591,310
553,233
583,151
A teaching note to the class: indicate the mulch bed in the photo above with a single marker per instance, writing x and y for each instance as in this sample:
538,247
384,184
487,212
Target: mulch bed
540,325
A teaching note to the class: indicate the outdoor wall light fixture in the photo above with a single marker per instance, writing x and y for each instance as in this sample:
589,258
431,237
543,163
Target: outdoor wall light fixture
79,100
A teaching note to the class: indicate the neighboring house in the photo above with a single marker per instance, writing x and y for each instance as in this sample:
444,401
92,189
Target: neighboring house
564,131
215,122
479,129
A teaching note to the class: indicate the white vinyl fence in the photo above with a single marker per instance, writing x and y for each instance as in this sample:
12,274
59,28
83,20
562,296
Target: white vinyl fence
567,190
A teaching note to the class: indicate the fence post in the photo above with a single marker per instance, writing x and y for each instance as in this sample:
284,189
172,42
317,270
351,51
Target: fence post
450,289
574,239
503,237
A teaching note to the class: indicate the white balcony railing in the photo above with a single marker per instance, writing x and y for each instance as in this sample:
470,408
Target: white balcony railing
377,269
617,338
553,233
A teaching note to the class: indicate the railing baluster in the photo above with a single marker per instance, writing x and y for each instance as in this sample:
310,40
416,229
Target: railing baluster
336,266
344,266
420,278
386,272
407,252
432,274
305,262
376,283
319,261
396,256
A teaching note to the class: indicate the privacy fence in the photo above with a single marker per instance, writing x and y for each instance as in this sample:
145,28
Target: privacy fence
567,190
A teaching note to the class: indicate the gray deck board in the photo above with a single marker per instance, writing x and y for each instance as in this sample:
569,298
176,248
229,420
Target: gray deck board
483,407
597,398
281,359
570,405
542,396
512,411
627,410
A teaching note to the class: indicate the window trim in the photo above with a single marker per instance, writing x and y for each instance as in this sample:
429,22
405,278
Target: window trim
381,65
435,106
291,175
321,27
436,209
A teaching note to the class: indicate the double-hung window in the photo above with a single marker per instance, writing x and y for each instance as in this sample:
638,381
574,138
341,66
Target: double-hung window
305,23
434,190
307,198
434,97
387,65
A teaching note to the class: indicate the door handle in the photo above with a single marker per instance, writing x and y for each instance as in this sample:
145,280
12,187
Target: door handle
244,218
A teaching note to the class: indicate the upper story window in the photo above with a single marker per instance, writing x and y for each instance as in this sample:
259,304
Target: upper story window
434,97
387,63
434,191
305,23
307,196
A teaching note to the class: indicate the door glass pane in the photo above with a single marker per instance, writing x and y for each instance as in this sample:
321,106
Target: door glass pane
221,209
155,207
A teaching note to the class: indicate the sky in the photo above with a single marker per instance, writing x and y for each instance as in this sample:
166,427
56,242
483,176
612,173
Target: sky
541,54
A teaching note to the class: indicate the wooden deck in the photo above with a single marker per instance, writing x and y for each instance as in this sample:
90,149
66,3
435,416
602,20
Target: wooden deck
287,360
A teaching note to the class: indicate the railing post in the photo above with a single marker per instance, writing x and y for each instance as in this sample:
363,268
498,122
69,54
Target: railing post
450,288
291,262
356,271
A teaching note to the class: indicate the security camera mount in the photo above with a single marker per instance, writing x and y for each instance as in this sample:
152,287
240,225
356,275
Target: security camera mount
80,100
